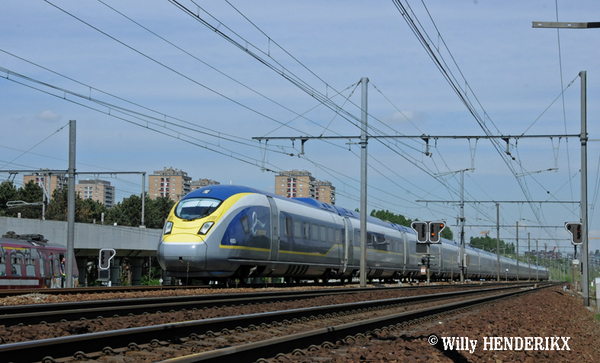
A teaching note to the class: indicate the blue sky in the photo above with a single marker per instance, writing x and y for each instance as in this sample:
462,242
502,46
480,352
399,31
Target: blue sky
151,86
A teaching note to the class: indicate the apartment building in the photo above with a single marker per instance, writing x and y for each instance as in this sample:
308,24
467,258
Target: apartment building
169,182
301,184
201,183
98,190
324,191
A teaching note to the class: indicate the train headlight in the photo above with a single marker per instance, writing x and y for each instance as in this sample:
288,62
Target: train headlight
205,227
168,227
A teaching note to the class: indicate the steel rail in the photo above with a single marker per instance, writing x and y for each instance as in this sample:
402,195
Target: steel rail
54,312
35,351
251,352
96,290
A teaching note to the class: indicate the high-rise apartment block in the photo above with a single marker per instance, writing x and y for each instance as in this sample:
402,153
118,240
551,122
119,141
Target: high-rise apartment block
201,183
169,182
301,184
98,190
324,191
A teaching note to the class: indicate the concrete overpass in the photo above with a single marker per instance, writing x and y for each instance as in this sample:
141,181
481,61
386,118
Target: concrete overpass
133,243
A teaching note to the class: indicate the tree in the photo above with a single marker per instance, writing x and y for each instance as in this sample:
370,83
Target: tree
30,193
90,211
8,193
488,243
57,208
129,211
158,212
447,233
403,221
391,217
86,210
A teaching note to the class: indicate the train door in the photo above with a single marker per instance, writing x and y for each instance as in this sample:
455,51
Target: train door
404,252
2,262
54,276
348,243
436,253
275,241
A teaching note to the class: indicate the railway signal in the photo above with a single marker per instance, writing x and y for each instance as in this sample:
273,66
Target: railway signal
428,232
422,229
106,254
574,229
435,228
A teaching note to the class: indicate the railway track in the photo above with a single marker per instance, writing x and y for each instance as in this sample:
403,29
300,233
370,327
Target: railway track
91,290
279,330
71,311
149,288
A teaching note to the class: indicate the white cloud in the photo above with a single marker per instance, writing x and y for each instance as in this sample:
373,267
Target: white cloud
49,116
402,117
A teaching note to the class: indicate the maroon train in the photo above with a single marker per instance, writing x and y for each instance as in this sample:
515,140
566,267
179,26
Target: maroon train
28,261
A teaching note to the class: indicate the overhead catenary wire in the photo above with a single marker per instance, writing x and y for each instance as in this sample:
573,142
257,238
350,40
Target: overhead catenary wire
435,54
436,167
246,48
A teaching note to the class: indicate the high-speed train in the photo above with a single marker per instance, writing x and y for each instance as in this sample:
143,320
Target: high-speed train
225,232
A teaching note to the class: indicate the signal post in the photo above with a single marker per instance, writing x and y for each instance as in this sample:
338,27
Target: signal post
428,233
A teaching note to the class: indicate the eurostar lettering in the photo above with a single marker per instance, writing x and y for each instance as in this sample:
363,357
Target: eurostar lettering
526,343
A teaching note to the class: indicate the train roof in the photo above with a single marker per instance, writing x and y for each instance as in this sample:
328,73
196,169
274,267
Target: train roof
33,240
223,192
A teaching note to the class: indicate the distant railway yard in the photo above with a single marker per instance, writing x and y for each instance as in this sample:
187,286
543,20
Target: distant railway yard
475,322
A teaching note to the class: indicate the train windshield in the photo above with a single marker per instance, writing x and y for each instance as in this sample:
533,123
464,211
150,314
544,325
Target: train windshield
194,208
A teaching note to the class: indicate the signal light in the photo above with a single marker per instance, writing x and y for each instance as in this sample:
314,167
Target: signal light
435,228
106,254
428,232
575,229
421,228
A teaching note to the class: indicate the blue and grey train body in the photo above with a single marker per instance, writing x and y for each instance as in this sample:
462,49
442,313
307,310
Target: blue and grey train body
223,232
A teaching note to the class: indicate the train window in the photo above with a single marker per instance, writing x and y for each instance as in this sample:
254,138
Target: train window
306,230
323,234
16,266
2,266
41,265
297,228
244,222
331,237
194,208
338,236
288,226
315,232
29,267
